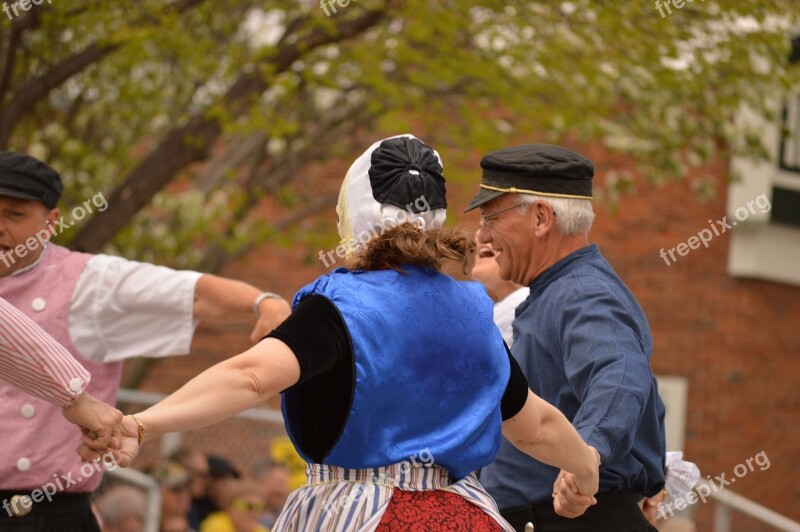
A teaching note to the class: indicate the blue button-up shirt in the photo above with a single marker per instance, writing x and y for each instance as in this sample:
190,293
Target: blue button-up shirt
584,344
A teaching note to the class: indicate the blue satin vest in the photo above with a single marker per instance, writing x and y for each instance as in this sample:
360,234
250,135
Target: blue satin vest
430,370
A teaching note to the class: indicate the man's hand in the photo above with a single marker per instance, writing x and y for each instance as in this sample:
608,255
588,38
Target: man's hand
650,506
271,313
573,495
96,419
126,448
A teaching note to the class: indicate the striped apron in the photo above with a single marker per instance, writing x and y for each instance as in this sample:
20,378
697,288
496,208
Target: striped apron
346,500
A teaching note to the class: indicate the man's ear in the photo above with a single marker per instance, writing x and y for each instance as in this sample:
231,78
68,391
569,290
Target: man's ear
544,218
52,216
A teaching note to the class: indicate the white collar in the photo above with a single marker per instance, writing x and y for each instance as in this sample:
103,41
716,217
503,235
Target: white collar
31,266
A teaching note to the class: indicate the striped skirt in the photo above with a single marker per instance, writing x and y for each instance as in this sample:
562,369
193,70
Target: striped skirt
346,500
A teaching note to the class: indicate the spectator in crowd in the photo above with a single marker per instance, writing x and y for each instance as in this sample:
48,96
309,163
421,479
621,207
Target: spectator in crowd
174,482
195,462
175,523
122,509
242,507
221,475
274,480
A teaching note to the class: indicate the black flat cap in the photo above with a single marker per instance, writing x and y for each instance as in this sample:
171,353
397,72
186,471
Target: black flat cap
541,169
24,177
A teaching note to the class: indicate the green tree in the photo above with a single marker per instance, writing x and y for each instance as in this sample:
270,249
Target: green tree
185,114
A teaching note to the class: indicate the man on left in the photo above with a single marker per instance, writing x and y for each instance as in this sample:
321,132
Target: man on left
103,310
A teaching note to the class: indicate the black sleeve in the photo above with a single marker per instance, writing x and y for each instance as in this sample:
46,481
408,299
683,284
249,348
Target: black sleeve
317,334
516,391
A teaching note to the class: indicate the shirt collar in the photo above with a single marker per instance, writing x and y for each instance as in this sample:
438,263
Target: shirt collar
555,271
31,266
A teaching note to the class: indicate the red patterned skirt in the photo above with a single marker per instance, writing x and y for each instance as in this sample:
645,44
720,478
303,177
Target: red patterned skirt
423,511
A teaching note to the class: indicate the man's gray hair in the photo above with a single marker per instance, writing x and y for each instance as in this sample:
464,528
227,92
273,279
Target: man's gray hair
573,216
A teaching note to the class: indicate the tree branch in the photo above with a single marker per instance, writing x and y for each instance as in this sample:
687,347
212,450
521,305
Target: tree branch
193,141
38,88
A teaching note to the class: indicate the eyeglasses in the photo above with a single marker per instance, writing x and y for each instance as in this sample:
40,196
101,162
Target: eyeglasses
243,505
488,217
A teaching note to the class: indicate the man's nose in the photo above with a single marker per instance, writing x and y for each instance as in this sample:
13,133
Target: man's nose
483,235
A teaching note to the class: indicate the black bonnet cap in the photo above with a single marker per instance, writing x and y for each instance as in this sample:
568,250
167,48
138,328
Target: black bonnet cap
405,169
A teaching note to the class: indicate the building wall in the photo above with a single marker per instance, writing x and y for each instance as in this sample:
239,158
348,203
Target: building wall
735,340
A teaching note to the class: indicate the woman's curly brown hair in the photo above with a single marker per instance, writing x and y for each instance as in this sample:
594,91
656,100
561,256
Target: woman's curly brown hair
408,244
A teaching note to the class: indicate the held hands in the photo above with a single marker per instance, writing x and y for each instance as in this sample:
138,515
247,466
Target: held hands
573,494
97,420
271,313
124,446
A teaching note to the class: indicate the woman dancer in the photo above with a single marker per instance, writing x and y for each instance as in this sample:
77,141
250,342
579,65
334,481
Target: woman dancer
395,383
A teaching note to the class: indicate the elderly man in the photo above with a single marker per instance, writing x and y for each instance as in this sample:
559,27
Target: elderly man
104,310
581,339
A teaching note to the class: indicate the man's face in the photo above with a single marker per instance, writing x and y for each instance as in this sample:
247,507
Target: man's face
20,221
197,467
510,235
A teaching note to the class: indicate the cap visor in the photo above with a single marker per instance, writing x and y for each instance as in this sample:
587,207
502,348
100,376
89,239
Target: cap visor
17,194
483,196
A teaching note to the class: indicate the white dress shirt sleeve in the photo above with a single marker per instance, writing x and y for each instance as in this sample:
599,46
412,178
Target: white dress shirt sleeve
123,309
505,312
33,361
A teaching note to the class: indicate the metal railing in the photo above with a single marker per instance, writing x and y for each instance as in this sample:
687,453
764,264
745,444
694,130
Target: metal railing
727,500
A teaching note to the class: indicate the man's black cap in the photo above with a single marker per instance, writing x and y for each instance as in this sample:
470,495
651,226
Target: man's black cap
541,169
22,176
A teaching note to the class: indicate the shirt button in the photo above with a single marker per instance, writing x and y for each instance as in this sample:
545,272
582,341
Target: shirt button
27,410
23,464
75,385
39,304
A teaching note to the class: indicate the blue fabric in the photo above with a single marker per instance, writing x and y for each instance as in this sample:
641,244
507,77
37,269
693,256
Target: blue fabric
584,343
430,370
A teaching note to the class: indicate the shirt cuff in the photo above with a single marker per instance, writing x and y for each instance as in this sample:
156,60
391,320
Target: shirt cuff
593,437
73,389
